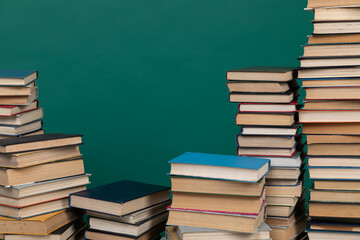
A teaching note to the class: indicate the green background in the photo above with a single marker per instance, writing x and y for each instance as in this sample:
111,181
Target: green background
144,81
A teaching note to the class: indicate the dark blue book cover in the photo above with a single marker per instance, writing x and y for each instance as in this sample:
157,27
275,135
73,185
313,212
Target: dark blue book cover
19,74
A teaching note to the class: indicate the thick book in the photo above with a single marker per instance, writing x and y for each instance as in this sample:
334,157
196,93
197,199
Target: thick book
329,61
266,152
16,131
334,38
11,110
334,173
313,139
19,100
213,186
331,3
334,210
333,93
270,131
340,184
238,222
269,119
42,172
289,162
332,49
120,198
17,77
329,116
17,91
331,128
286,97
334,196
266,141
334,149
39,225
217,202
268,107
39,142
23,118
218,166
284,173
337,14
291,232
331,225
260,87
331,104
259,73
285,190
333,161
343,235
329,72
281,200
336,27
285,222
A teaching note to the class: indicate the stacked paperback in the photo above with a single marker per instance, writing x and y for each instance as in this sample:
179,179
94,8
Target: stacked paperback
19,111
124,210
267,98
331,119
36,177
217,196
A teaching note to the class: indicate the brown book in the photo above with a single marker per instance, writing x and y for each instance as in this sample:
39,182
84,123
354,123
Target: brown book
333,72
334,210
259,73
261,152
337,185
266,141
203,185
265,119
222,221
311,139
329,116
39,225
258,87
334,38
334,173
287,221
286,97
290,232
216,202
333,93
334,196
331,105
334,149
285,191
47,171
337,14
26,159
331,128
284,173
333,161
19,100
17,91
334,227
280,211
327,50
331,3
281,200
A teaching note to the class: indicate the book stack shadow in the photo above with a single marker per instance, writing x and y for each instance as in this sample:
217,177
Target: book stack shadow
124,210
20,114
37,175
217,197
267,98
330,77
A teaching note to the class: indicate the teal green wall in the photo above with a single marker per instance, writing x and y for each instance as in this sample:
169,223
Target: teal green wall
143,80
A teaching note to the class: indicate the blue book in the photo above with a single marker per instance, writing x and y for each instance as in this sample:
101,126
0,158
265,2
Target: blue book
216,166
17,77
120,198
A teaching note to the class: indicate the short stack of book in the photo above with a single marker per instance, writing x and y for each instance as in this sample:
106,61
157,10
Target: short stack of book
217,197
330,76
267,98
124,210
36,177
20,114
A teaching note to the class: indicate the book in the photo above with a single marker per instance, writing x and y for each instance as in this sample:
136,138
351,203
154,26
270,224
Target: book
284,190
217,202
39,142
223,221
287,162
286,97
334,226
281,182
17,91
340,184
63,233
265,130
331,105
332,93
331,128
331,3
329,72
34,210
260,87
19,100
26,159
286,233
266,152
16,131
36,132
281,200
109,199
337,14
330,82
41,187
23,118
256,119
262,74
331,61
134,217
266,141
334,149
334,196
334,210
297,214
213,186
329,116
268,107
218,166
320,235
42,172
331,161
17,77
338,27
11,110
284,173
281,211
334,173
334,38
38,225
332,49
134,230
312,139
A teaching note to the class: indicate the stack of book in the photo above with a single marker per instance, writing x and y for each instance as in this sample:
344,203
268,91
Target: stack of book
20,114
330,76
36,177
267,98
217,196
124,210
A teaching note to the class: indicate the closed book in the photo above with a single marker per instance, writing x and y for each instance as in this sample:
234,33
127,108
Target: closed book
287,162
23,118
11,110
17,91
266,141
17,77
285,190
266,152
272,131
334,226
332,61
39,142
331,128
260,87
334,210
268,107
284,173
331,49
297,214
334,149
120,198
334,196
334,173
213,186
284,211
259,73
312,139
334,161
320,235
218,166
334,38
329,72
285,233
286,97
19,100
331,104
15,131
329,116
331,3
340,184
333,93
281,200
258,119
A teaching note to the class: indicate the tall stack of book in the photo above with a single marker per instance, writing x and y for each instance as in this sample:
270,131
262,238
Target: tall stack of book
267,98
36,177
124,210
217,197
20,114
330,76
